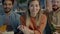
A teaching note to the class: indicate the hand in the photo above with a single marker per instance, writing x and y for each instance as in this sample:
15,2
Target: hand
1,32
21,27
56,32
37,32
25,29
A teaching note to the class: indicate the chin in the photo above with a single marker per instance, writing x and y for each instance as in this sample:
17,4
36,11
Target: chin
34,16
7,11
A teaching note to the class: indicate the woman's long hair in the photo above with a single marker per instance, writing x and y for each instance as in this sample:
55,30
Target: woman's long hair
38,17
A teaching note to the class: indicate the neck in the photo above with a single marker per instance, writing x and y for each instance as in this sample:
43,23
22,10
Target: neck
33,16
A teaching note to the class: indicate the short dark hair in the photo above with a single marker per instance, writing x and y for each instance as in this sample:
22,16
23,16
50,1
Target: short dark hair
7,0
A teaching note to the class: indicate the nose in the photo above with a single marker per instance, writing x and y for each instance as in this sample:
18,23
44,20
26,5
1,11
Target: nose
55,3
34,8
7,6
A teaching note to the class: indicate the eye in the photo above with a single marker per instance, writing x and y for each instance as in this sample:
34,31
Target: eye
36,5
53,1
57,1
31,5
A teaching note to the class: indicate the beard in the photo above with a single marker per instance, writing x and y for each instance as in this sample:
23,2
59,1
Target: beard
7,10
55,7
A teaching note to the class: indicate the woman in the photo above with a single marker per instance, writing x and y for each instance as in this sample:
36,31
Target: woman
35,21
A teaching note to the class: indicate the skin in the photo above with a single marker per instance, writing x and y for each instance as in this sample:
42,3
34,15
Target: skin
34,8
55,4
7,6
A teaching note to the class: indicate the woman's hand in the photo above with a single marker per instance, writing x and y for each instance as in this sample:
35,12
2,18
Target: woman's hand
37,32
25,29
1,32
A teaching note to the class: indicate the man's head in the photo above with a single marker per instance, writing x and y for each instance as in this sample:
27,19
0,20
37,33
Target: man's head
55,4
7,5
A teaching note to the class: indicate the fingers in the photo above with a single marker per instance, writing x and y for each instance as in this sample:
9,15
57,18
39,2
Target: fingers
20,27
1,32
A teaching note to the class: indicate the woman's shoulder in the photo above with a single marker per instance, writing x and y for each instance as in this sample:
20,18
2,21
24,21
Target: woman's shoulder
43,16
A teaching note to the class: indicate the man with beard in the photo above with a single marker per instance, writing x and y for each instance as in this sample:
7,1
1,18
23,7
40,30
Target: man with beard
54,16
10,19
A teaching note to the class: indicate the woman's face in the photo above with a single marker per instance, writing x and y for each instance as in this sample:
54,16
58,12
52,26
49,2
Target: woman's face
34,8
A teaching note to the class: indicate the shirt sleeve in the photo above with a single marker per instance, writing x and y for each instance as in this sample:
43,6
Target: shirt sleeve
43,23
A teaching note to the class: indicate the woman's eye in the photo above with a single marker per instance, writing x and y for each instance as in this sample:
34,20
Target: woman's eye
31,5
36,5
57,1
